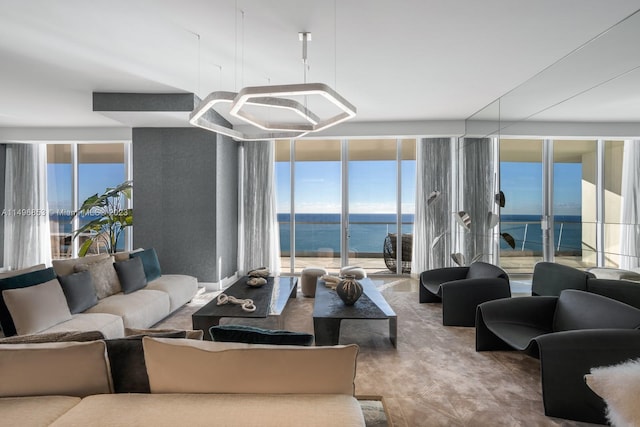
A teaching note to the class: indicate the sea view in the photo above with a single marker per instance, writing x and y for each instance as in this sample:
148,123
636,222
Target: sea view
316,232
64,227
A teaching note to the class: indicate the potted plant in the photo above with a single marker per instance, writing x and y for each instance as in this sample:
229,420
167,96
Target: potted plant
111,217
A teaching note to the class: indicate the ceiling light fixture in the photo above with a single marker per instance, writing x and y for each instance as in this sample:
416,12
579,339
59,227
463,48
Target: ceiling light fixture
273,97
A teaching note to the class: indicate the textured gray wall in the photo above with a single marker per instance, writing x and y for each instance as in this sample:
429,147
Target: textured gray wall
227,205
177,185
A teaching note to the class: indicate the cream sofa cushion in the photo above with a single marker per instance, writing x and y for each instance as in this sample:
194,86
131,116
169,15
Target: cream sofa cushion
140,309
195,410
69,369
181,288
110,325
34,411
64,267
36,308
180,366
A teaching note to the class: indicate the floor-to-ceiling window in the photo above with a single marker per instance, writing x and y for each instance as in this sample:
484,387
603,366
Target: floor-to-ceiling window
574,202
75,172
585,198
339,199
60,195
521,183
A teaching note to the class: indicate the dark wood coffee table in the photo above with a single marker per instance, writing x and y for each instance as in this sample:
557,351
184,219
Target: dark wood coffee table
329,311
209,315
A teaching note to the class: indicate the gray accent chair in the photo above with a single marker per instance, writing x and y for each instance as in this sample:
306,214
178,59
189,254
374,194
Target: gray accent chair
621,290
570,334
550,279
461,289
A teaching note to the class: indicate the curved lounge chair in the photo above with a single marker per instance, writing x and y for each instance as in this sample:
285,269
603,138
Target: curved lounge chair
570,334
461,289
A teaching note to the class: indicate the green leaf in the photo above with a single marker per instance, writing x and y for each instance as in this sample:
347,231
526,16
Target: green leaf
85,247
111,219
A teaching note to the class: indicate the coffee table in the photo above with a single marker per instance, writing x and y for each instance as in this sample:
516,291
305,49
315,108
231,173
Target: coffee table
329,311
209,315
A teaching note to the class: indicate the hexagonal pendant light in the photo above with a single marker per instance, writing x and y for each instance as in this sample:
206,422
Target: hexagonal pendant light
273,97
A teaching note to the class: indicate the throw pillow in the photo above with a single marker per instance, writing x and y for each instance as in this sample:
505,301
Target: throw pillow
176,366
20,281
126,357
192,334
54,369
64,267
253,335
103,275
131,275
150,263
54,337
79,291
37,307
619,386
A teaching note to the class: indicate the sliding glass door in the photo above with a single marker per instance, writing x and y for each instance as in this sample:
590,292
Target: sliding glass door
338,200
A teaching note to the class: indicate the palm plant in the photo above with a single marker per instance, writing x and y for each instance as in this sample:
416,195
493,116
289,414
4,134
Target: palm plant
112,217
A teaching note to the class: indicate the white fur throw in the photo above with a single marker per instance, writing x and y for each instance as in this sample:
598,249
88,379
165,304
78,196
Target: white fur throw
619,386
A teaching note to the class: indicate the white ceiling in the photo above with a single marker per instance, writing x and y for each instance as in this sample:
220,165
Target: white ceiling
396,61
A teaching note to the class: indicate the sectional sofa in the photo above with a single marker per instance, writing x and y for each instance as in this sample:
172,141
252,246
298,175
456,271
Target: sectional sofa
192,383
93,293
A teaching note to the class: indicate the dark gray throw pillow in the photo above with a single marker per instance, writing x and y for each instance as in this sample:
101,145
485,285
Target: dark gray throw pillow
131,275
126,357
79,291
150,263
253,335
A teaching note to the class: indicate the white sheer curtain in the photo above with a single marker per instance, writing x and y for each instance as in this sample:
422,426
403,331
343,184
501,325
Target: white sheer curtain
258,234
432,242
630,206
27,239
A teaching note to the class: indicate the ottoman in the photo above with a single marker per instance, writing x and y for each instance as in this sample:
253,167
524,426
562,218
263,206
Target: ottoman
309,279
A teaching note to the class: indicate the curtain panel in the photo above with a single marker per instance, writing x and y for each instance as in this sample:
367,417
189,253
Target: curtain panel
476,205
26,218
432,242
258,232
630,206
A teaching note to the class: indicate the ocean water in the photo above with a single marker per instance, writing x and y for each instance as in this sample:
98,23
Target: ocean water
321,232
527,233
65,226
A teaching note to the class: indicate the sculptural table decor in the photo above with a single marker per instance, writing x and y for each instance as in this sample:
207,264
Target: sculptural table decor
349,290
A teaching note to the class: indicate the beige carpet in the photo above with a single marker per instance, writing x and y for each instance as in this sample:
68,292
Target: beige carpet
435,377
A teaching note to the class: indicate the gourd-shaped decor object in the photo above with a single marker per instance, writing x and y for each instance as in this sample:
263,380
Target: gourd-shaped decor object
349,289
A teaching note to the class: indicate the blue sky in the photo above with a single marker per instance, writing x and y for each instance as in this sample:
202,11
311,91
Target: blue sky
92,178
372,187
521,183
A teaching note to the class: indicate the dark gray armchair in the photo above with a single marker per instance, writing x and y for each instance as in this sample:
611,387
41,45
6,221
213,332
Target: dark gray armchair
461,289
570,334
550,279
